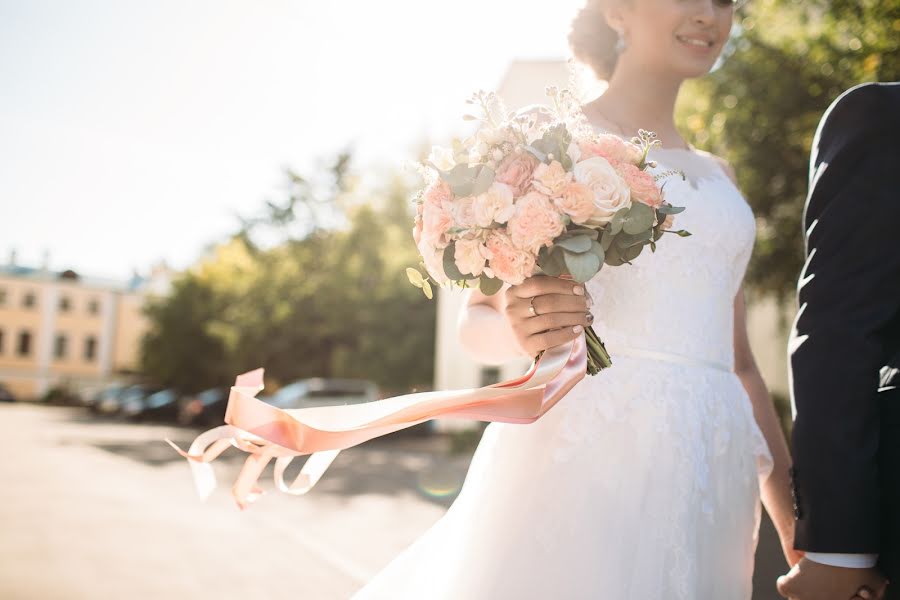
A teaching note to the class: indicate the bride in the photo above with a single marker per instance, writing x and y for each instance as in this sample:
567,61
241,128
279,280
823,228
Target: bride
645,481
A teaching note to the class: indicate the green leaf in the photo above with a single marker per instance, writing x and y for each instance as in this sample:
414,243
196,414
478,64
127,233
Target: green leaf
489,285
626,240
606,239
414,277
597,249
450,268
615,224
632,252
638,219
465,180
580,243
667,209
541,156
552,263
591,233
612,257
426,287
582,266
483,181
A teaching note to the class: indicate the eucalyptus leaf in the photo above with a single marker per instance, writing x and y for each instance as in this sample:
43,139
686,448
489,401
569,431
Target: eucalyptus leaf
612,257
580,243
489,285
615,224
606,239
638,219
426,288
414,277
450,268
632,252
541,156
591,233
483,181
553,264
597,249
581,266
626,240
666,209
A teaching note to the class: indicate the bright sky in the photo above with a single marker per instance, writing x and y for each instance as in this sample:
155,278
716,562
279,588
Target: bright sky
133,131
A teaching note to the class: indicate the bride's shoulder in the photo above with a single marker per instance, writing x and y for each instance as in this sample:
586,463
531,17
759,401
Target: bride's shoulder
724,164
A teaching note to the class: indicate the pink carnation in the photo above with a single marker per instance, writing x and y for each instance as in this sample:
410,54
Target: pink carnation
577,201
536,222
438,193
643,186
516,171
612,148
508,263
435,223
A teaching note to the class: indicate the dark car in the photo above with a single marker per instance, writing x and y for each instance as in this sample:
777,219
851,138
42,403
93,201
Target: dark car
318,391
206,408
5,394
156,406
106,401
132,399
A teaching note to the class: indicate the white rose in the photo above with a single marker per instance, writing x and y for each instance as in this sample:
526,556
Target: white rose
574,152
469,256
442,158
496,204
611,193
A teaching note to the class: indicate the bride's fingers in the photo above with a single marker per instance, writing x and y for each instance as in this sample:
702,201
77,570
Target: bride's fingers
550,303
542,284
556,321
548,339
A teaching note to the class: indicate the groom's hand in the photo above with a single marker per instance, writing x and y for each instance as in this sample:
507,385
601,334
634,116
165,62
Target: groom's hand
809,580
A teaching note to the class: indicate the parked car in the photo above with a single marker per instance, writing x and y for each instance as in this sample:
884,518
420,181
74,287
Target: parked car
131,401
318,391
206,408
5,394
106,401
157,406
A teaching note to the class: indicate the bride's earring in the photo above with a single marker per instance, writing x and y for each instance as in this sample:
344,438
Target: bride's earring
620,43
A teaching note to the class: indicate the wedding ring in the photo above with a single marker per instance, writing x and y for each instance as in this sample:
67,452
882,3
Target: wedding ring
531,308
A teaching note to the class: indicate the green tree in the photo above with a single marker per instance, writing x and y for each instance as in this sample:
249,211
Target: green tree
787,63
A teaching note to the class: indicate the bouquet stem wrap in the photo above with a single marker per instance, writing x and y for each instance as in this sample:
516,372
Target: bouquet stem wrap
266,432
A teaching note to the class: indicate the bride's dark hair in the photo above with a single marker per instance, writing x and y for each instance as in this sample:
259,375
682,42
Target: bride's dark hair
593,41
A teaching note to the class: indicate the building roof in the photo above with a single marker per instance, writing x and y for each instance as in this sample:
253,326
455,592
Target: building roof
133,284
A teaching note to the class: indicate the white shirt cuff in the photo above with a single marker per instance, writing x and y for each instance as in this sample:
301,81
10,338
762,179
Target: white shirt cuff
848,561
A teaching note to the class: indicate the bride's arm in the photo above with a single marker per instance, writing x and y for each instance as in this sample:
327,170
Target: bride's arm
776,491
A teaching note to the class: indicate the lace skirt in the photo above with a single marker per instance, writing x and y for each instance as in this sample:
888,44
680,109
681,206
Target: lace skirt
641,484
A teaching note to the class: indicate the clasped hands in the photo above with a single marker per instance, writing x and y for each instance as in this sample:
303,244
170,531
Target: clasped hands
809,580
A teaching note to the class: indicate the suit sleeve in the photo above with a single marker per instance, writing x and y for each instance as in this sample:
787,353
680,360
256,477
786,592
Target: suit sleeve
849,293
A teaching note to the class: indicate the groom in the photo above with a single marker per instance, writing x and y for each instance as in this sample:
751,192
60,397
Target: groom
845,356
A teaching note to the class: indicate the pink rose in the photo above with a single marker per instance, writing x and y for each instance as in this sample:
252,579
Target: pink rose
469,256
643,186
577,201
438,192
551,179
536,222
612,148
496,204
516,171
435,223
508,263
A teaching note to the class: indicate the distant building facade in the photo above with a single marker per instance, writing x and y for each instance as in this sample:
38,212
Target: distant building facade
61,328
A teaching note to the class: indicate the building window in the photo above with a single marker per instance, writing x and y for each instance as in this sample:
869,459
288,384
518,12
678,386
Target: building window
24,343
90,348
94,307
29,300
59,349
65,304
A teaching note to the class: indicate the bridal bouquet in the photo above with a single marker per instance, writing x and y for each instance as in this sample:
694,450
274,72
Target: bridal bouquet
537,191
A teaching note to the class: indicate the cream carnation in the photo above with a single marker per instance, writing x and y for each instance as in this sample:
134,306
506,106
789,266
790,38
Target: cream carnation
469,256
536,222
507,262
496,204
551,179
439,192
611,193
577,201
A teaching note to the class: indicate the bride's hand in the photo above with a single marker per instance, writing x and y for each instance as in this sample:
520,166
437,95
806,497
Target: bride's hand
560,312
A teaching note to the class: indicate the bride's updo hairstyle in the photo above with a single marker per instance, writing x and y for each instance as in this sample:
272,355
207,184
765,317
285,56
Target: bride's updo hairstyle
593,41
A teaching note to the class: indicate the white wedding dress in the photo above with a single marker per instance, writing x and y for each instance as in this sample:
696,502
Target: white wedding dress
643,482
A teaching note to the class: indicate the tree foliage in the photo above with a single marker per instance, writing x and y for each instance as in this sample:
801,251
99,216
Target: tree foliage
789,60
313,286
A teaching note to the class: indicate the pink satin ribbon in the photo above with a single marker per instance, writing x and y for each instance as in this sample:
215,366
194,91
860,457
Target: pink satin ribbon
267,432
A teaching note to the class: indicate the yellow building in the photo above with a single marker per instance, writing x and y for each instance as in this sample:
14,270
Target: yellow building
63,328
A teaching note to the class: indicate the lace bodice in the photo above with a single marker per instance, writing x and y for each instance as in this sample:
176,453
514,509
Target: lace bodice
679,300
